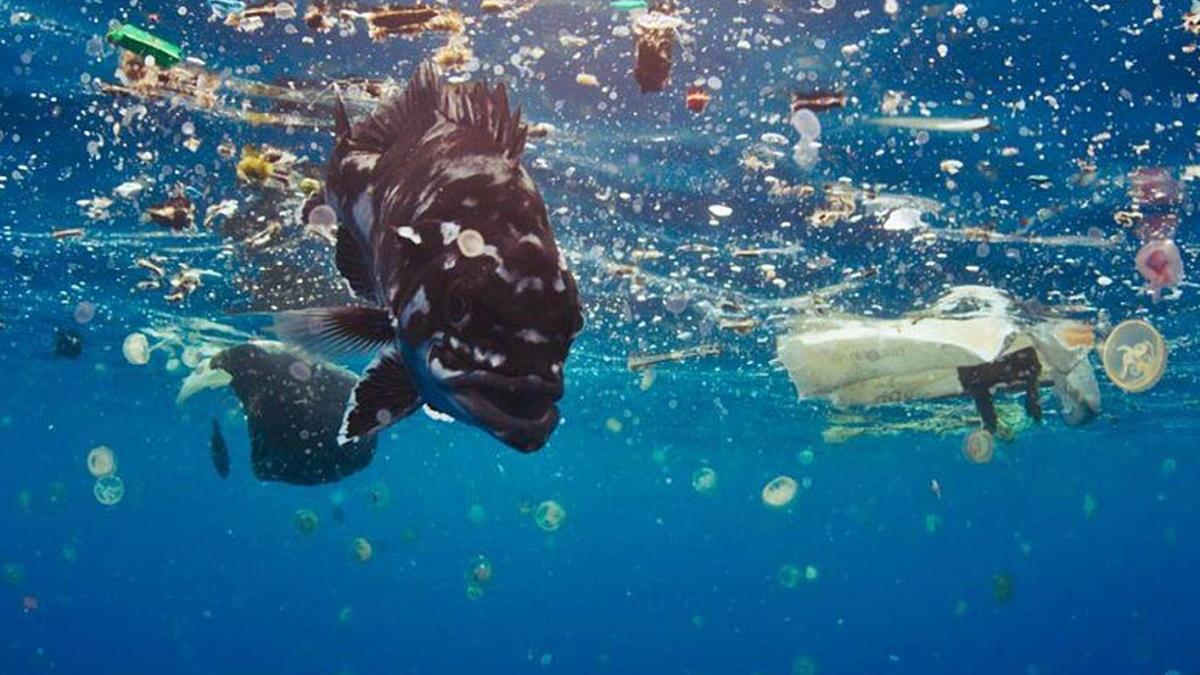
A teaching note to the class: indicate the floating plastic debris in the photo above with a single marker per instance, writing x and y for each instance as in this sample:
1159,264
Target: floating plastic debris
818,101
638,362
947,124
142,43
697,99
655,34
1134,356
627,5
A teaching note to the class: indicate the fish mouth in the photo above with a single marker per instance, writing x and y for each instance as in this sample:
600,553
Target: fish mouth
520,411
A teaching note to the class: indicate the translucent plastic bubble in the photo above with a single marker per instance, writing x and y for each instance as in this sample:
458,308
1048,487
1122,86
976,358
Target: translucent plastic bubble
57,493
807,124
805,665
480,570
779,492
136,349
1134,356
362,550
979,446
13,573
101,462
471,243
84,312
476,514
379,494
300,371
306,521
1160,263
806,154
811,573
550,515
322,216
789,576
704,480
109,490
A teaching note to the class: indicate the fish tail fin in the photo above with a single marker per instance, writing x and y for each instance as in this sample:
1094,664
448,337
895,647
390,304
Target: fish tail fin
385,394
334,331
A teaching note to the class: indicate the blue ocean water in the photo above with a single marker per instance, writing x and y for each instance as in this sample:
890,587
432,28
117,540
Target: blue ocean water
1072,551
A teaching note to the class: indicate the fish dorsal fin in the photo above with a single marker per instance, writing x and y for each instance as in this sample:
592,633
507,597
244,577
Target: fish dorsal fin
394,119
416,110
477,106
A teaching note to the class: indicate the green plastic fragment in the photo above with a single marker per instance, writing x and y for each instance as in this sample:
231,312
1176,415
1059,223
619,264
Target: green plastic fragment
142,43
627,5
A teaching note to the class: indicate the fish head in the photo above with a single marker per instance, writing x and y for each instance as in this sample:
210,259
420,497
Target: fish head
488,318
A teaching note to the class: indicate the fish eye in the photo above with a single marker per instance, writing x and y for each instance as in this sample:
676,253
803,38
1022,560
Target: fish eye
457,308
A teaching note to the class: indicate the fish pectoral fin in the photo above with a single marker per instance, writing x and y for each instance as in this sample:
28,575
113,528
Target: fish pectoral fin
341,119
334,331
384,395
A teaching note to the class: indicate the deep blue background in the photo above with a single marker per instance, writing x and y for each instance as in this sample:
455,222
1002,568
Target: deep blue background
191,574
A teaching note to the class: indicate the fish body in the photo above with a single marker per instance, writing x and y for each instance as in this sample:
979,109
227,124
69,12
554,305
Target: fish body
443,235
220,450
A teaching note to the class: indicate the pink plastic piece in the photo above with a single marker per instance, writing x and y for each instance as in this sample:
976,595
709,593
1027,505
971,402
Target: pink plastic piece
1160,263
1158,226
1154,185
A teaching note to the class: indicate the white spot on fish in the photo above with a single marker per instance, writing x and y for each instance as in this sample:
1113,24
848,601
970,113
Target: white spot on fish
362,161
484,356
450,230
364,213
410,234
532,239
496,169
530,284
531,336
440,372
419,304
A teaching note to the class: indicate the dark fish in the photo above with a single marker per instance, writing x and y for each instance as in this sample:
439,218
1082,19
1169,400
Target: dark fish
443,233
293,409
68,344
220,451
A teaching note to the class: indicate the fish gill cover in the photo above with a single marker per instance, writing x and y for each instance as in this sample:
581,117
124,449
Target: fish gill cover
852,336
